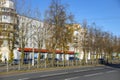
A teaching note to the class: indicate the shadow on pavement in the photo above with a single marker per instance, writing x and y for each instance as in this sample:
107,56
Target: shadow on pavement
113,65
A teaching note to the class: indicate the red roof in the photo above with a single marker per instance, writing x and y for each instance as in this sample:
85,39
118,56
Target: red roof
44,51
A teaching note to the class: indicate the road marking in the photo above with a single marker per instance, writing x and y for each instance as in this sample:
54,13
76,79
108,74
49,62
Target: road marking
54,74
76,71
111,71
24,79
71,78
93,74
82,70
97,68
88,69
32,73
65,73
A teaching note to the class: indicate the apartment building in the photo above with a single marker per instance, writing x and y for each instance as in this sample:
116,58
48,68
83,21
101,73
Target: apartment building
15,27
8,27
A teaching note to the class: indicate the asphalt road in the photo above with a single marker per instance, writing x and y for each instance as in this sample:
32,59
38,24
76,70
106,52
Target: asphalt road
110,72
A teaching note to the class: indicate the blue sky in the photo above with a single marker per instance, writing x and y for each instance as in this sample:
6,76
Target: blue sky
105,13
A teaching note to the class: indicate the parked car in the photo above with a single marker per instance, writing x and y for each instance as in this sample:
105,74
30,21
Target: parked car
101,61
15,62
26,61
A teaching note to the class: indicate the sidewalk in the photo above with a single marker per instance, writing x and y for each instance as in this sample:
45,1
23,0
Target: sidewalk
45,70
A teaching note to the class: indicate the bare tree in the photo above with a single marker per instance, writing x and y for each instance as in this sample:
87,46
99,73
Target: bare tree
23,35
91,43
84,42
24,23
39,39
118,47
57,18
47,39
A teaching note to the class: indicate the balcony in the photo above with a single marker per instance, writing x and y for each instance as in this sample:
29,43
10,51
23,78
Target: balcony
5,38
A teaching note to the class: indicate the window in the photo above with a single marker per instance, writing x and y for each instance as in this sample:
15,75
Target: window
4,9
5,17
2,2
5,27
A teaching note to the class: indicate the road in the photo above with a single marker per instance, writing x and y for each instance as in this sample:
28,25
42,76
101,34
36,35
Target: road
110,72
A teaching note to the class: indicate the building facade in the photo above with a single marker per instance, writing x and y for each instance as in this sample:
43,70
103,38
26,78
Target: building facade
8,27
31,32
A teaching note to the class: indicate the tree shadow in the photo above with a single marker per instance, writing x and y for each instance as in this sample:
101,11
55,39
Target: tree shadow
113,65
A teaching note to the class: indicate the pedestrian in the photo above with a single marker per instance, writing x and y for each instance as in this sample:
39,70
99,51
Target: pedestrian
5,60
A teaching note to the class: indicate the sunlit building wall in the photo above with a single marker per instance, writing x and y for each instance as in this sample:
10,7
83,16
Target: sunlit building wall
8,27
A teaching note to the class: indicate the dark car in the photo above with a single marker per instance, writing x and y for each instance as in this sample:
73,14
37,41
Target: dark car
27,61
101,61
15,62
